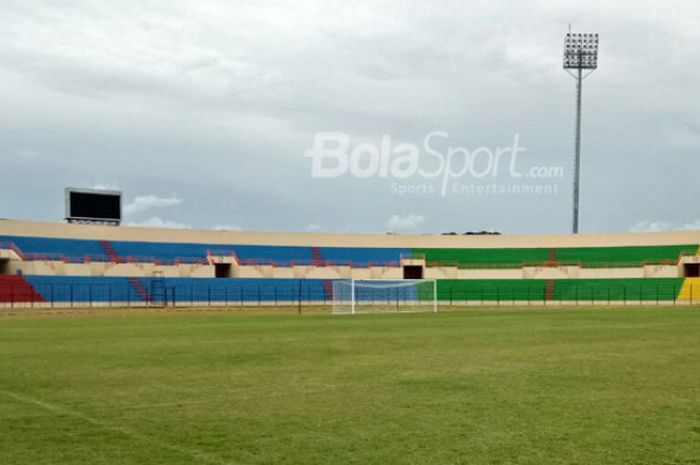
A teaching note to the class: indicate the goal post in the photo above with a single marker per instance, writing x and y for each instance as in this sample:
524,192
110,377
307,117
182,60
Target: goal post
353,296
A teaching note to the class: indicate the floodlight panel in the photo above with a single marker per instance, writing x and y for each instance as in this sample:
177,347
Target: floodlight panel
581,51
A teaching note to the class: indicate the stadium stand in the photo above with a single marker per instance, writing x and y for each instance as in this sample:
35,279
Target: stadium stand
601,290
180,290
492,290
14,288
625,256
46,248
47,263
127,251
481,258
362,256
74,250
591,257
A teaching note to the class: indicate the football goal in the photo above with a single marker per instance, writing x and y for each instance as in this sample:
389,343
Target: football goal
351,296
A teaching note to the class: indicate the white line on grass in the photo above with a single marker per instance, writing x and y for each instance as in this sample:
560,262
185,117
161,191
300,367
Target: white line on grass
57,409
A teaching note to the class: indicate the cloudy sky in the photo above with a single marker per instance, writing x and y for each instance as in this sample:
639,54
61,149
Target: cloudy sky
201,112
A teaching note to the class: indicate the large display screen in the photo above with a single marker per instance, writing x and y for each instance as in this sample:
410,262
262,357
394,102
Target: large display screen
82,204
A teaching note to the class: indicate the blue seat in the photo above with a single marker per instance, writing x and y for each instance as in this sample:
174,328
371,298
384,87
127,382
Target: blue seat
363,256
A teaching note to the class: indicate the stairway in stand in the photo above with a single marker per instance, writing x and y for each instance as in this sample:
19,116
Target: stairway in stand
109,250
14,288
140,288
316,258
328,289
549,290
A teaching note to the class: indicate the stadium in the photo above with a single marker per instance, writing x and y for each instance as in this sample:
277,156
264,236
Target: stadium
145,345
349,233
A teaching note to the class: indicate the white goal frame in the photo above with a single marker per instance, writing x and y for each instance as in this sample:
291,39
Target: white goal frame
355,284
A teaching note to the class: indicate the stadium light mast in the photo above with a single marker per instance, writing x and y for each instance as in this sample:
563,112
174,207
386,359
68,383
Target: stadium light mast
580,60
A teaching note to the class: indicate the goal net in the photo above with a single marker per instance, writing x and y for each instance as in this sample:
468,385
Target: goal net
352,296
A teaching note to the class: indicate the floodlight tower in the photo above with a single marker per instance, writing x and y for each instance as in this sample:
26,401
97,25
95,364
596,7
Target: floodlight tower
580,53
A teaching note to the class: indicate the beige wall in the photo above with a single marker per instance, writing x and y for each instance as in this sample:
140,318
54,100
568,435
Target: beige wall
550,272
440,272
515,273
662,271
607,273
124,233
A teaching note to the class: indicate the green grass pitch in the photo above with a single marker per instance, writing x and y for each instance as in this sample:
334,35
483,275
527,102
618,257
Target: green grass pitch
487,386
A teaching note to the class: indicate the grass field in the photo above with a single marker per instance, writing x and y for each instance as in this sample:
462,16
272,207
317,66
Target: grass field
487,386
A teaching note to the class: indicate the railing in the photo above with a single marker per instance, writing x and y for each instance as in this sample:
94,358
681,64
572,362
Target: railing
103,258
162,261
551,264
12,246
231,294
687,253
98,258
81,295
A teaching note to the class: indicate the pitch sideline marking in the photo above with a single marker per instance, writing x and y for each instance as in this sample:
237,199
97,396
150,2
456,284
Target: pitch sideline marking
56,409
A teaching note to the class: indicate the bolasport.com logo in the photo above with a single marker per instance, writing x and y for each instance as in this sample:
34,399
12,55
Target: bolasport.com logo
435,167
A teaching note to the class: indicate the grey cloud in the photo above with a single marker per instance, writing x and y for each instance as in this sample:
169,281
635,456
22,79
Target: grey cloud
218,101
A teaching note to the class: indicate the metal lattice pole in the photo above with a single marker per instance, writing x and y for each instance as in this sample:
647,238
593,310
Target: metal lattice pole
580,53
